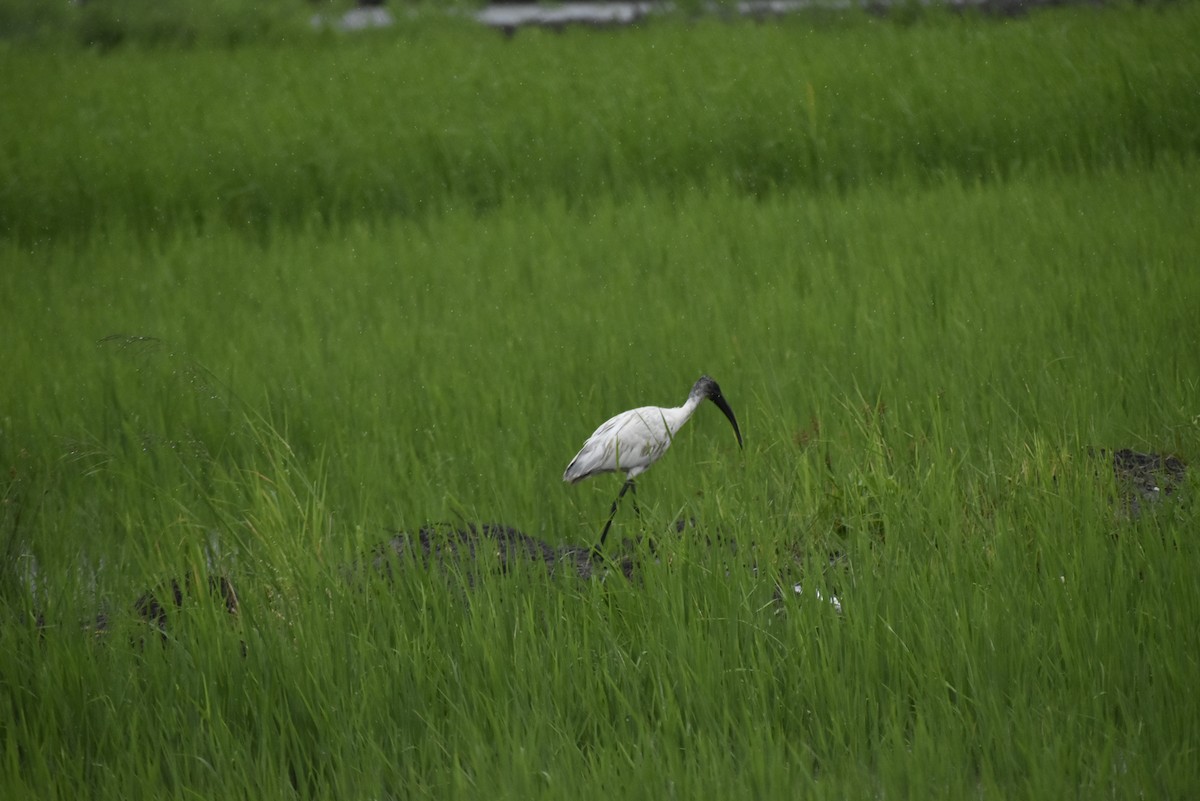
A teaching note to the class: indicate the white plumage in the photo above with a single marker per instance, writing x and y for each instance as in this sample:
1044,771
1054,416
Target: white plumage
632,441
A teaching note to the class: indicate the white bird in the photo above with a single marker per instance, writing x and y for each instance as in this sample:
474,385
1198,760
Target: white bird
634,440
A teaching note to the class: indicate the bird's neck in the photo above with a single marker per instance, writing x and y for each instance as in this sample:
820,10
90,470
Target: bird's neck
680,414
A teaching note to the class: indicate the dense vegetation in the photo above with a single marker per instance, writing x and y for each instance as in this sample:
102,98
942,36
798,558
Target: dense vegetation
269,299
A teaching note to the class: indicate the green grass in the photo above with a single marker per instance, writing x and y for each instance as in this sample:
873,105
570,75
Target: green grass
446,116
921,339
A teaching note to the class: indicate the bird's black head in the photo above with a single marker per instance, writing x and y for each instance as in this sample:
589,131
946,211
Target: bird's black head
705,387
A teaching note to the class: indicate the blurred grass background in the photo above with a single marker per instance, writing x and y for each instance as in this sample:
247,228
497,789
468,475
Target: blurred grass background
443,115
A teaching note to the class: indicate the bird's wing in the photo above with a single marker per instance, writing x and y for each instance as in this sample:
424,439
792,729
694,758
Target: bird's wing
598,454
630,440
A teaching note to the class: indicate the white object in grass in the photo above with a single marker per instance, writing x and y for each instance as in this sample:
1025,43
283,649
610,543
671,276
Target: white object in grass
632,441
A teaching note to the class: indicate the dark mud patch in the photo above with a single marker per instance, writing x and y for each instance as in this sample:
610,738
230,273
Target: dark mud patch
1144,480
465,550
461,546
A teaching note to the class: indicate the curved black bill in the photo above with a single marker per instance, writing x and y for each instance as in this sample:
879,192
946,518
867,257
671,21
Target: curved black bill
724,407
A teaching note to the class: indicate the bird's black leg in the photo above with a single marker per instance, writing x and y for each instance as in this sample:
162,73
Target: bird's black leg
624,488
649,538
638,511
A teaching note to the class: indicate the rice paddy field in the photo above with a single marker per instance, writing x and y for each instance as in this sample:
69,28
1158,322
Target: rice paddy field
272,300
